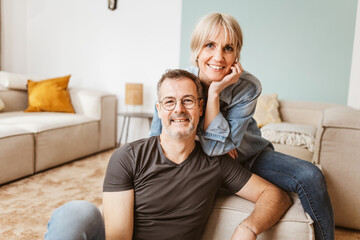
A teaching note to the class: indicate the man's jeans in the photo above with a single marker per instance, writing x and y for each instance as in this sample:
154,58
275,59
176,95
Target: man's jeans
303,178
76,220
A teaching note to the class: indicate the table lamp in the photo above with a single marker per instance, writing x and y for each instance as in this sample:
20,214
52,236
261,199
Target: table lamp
134,94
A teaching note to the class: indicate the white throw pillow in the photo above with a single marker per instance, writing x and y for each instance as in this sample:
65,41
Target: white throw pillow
290,134
15,81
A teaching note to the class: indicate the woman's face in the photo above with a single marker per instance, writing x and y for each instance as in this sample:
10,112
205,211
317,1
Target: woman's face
216,57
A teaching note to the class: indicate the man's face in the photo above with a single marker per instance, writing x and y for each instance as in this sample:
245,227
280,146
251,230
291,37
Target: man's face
180,122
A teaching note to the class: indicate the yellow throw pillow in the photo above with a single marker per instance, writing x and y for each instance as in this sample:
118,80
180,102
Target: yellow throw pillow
49,95
267,110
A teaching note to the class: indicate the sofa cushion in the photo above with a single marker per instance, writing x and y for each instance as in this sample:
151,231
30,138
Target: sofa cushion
41,121
14,100
267,110
295,151
49,95
7,131
229,210
59,145
17,153
291,134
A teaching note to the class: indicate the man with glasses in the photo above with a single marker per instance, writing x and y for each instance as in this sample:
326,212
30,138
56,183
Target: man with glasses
164,187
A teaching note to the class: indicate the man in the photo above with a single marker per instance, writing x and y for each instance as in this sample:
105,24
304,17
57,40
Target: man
164,187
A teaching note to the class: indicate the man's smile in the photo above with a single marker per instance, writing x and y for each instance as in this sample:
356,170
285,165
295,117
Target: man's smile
179,118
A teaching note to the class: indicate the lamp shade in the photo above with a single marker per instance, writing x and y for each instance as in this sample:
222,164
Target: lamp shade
133,94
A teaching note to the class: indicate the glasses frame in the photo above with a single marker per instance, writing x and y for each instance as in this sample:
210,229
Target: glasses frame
176,101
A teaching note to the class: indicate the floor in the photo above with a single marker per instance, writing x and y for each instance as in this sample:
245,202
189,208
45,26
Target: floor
26,205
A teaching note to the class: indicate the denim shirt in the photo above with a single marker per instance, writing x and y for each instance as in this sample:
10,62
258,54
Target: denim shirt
234,126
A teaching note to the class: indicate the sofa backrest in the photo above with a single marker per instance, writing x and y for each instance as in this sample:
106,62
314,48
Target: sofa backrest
14,100
301,112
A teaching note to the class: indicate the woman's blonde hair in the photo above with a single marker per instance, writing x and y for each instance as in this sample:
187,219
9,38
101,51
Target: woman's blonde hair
208,26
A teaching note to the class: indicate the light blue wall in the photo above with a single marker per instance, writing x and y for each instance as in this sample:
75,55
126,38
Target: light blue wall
300,49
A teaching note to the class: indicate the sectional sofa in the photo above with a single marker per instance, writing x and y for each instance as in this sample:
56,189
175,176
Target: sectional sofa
335,150
31,142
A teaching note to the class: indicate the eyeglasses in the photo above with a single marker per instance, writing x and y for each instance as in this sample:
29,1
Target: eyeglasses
169,103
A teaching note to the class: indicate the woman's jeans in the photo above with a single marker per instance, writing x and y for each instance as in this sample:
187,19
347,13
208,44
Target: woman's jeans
303,178
76,220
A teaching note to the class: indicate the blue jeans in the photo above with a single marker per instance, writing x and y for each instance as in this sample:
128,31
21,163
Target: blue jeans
303,178
76,220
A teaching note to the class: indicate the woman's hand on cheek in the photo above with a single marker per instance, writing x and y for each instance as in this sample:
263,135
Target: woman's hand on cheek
229,79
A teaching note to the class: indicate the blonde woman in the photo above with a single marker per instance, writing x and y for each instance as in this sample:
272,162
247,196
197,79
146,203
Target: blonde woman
227,126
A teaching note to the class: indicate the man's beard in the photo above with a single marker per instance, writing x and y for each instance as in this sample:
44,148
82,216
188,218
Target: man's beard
179,134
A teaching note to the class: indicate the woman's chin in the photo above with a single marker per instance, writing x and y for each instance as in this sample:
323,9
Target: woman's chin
209,78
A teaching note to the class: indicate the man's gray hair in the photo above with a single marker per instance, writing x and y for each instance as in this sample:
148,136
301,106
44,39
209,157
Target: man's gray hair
179,74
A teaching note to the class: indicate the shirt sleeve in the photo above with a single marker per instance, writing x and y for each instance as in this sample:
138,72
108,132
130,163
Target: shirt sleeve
156,126
120,170
227,130
235,176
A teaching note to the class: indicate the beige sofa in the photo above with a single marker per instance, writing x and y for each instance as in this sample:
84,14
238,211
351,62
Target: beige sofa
336,152
230,210
34,141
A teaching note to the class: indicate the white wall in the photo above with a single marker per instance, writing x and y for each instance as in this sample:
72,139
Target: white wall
102,49
354,86
13,35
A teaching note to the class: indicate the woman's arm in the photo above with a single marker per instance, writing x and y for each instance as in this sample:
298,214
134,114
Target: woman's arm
226,131
213,106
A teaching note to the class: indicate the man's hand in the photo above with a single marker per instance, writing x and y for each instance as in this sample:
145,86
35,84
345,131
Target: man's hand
242,233
270,205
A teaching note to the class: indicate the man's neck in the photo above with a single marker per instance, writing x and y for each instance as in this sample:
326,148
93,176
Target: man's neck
177,150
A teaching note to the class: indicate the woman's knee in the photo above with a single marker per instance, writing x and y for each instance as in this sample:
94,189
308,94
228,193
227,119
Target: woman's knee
311,174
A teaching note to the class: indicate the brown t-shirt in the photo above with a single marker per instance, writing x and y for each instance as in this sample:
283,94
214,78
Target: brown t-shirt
172,201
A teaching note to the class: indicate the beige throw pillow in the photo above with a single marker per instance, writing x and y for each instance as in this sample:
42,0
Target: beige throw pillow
267,110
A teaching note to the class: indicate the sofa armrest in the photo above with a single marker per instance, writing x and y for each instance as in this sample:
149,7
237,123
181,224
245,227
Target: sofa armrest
339,156
342,117
101,106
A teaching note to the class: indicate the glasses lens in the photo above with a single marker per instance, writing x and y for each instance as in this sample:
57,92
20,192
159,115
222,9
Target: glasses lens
168,103
188,102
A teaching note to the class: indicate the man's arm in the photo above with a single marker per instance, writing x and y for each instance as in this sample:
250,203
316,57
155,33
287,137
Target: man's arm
118,211
270,205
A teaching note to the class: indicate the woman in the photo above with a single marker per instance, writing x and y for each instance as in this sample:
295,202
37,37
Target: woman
230,95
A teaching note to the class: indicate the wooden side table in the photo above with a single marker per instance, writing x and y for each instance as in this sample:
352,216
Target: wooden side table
127,116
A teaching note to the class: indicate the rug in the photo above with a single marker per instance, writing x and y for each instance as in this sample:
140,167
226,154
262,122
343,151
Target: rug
26,205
